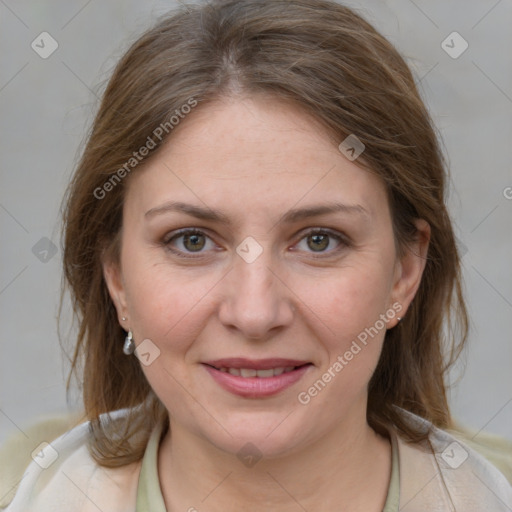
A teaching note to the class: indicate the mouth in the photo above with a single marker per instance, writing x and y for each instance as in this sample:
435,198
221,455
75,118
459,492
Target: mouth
261,374
256,378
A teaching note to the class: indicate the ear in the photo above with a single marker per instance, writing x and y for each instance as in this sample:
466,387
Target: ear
114,280
410,267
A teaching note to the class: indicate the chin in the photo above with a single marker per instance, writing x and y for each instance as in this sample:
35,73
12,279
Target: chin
260,435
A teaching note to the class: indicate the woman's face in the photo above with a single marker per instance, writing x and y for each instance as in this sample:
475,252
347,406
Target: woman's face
291,264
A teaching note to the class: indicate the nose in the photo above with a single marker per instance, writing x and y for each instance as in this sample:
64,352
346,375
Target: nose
256,301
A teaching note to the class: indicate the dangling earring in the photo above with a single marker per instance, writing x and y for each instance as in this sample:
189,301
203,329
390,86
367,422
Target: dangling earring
129,345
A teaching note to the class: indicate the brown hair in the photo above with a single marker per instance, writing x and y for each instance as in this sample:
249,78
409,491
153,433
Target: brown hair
333,64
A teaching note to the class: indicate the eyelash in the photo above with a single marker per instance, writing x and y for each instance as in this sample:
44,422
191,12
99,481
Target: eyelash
343,241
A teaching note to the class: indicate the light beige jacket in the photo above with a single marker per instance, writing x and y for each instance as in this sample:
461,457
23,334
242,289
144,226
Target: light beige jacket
442,474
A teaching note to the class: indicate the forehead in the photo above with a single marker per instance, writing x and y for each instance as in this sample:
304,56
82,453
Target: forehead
252,154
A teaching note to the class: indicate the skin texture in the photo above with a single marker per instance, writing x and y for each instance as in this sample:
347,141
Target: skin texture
255,159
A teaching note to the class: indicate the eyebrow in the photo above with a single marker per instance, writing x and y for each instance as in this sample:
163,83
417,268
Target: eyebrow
289,217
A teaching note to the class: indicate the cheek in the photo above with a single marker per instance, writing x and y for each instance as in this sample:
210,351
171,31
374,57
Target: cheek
346,310
349,301
166,304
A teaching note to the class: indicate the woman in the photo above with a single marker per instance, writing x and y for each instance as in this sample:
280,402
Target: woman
263,267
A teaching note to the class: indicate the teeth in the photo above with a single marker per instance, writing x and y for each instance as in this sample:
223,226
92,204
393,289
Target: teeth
251,372
248,372
265,373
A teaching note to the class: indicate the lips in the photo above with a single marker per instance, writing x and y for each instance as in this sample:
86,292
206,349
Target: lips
255,364
256,378
262,374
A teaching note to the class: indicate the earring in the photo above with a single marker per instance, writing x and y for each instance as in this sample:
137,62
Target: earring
129,345
398,318
123,319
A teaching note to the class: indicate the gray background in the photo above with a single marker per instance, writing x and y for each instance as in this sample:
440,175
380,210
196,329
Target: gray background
46,107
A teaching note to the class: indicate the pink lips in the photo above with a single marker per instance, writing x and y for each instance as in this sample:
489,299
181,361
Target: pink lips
256,387
256,364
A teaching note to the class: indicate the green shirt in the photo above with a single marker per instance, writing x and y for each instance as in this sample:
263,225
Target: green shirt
149,494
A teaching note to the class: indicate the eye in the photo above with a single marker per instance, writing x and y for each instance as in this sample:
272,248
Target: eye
188,241
319,240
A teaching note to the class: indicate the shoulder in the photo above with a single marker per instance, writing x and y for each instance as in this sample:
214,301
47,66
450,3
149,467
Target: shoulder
63,476
445,473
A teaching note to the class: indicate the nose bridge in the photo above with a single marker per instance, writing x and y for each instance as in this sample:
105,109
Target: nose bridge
253,262
256,277
256,300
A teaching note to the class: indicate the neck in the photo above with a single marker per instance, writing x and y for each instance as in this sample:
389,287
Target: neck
333,473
